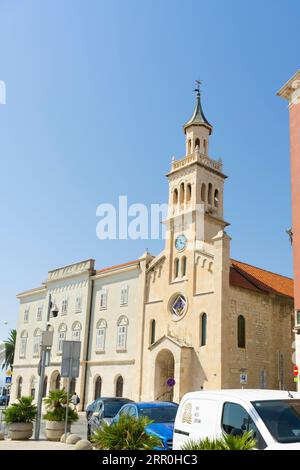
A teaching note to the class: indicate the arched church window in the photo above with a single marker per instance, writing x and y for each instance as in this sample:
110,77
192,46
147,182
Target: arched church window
241,325
203,329
76,331
119,386
175,196
205,146
98,387
203,192
188,193
209,195
216,198
197,144
19,387
122,327
152,331
176,267
183,266
182,194
189,147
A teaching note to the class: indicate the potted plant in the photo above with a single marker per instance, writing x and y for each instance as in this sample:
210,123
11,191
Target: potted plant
56,407
19,417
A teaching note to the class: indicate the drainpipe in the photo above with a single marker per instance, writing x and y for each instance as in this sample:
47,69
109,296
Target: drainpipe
91,304
143,327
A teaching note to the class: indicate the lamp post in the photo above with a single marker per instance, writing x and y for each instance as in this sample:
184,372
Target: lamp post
47,338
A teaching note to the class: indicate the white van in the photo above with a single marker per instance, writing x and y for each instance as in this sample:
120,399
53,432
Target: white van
272,415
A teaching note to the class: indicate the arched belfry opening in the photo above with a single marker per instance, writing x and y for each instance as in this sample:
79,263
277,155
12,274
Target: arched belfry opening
164,371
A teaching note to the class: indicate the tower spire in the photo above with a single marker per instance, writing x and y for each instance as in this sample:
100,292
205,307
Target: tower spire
198,118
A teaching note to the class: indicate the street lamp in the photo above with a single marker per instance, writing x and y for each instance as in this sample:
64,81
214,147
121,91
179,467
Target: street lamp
47,339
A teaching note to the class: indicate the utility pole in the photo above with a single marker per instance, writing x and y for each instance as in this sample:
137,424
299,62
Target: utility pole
47,339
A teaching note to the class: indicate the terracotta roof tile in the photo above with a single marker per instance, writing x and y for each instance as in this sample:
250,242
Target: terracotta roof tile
117,266
259,279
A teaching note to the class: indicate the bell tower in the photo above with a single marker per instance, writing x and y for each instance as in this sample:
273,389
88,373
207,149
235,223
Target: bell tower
196,182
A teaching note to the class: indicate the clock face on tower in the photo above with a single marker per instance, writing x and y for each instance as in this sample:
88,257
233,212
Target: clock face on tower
180,242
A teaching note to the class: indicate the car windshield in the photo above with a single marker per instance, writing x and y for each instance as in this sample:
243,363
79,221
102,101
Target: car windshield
112,408
282,418
159,414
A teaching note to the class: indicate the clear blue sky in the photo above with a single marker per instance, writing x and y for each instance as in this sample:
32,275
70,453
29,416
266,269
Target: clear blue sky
97,92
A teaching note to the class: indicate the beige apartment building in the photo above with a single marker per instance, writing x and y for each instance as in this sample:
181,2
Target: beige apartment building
155,328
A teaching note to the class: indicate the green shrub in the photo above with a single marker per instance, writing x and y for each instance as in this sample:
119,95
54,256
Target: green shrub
127,434
56,406
22,412
226,442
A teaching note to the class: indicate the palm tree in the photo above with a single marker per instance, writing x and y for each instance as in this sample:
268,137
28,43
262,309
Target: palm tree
7,350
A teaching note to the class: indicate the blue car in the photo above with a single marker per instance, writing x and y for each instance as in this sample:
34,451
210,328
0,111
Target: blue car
161,413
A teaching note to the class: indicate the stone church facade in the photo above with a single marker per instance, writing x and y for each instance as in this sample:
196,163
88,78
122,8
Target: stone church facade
155,328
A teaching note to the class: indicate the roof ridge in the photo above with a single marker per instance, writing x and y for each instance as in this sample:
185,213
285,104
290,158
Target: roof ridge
120,265
262,269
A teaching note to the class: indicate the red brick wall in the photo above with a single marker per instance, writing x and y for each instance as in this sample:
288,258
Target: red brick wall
295,179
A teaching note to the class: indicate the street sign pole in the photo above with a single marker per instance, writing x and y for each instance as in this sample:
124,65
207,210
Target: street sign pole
68,393
70,366
40,396
44,348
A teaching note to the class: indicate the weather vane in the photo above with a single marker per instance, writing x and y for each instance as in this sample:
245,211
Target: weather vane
198,83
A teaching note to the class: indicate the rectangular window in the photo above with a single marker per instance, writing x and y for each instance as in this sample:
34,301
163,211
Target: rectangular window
36,346
103,298
26,315
78,303
61,338
100,339
298,317
39,314
76,335
121,341
23,347
124,295
64,307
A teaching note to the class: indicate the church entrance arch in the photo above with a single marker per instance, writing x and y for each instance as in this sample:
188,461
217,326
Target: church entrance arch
164,374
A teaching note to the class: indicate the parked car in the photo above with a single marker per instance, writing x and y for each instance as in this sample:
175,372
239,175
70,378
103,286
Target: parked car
91,408
273,416
103,410
4,400
161,413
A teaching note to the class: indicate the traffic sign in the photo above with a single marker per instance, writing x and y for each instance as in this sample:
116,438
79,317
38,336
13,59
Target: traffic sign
296,379
9,373
70,363
8,380
243,379
296,371
170,382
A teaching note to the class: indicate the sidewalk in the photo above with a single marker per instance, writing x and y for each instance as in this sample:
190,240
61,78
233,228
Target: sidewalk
79,427
31,444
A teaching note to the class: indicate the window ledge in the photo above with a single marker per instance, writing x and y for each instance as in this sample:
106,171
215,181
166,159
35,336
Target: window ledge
59,353
100,351
178,280
103,308
121,350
